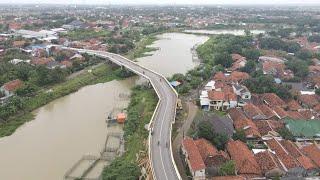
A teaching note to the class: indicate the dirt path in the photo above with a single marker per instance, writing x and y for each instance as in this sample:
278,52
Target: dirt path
176,145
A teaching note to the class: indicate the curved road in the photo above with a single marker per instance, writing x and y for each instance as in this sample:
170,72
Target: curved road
160,149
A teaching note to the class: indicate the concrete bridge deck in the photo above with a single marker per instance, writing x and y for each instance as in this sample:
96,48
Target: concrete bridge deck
160,149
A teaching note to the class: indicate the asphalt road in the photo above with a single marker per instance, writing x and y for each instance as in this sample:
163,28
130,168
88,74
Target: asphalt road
160,144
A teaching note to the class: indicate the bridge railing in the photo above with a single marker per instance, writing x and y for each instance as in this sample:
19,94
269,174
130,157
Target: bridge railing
157,107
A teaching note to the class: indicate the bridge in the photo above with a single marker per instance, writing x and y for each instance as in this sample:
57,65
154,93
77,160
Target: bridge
160,127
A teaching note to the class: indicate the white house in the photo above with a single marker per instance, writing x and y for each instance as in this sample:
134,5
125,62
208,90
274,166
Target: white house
242,91
210,86
8,89
194,160
222,101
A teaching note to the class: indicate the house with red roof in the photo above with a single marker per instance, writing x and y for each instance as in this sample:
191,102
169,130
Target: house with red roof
253,112
308,101
200,154
194,159
210,154
246,164
313,152
272,100
267,111
269,164
241,122
222,100
268,128
9,88
286,155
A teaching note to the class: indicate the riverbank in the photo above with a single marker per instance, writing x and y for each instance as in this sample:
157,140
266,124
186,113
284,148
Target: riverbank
142,49
140,110
100,74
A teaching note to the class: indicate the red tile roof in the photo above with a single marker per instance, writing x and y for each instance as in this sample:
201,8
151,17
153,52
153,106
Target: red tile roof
18,43
66,63
295,115
275,68
237,57
236,114
12,85
283,155
243,157
41,61
309,100
228,178
273,100
313,152
216,95
219,76
194,155
267,161
253,112
306,162
224,95
294,105
248,126
237,76
291,148
280,112
267,111
307,114
210,155
264,127
317,108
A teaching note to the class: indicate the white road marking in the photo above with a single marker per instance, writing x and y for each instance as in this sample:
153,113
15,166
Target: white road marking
165,112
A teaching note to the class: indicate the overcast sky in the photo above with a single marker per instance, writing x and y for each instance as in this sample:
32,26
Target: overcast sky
164,1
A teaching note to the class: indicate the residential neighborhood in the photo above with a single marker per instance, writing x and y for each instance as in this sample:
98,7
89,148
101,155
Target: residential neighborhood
171,91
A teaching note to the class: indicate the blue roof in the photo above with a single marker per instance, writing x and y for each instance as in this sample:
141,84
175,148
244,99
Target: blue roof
277,80
175,83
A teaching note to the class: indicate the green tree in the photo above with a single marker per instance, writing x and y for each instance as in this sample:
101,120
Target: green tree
205,130
253,54
227,169
299,68
224,59
239,135
318,92
23,71
220,140
27,89
292,47
286,134
249,67
304,54
314,38
121,171
218,68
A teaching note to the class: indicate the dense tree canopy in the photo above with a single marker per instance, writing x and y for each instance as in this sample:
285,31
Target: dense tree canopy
205,130
299,67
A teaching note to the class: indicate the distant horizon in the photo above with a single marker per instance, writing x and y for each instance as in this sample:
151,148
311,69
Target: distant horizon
163,2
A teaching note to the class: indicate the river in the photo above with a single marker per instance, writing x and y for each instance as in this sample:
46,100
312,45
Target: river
72,126
61,133
174,55
225,31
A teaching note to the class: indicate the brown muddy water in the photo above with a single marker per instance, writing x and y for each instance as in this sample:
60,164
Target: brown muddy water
72,126
62,132
174,54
